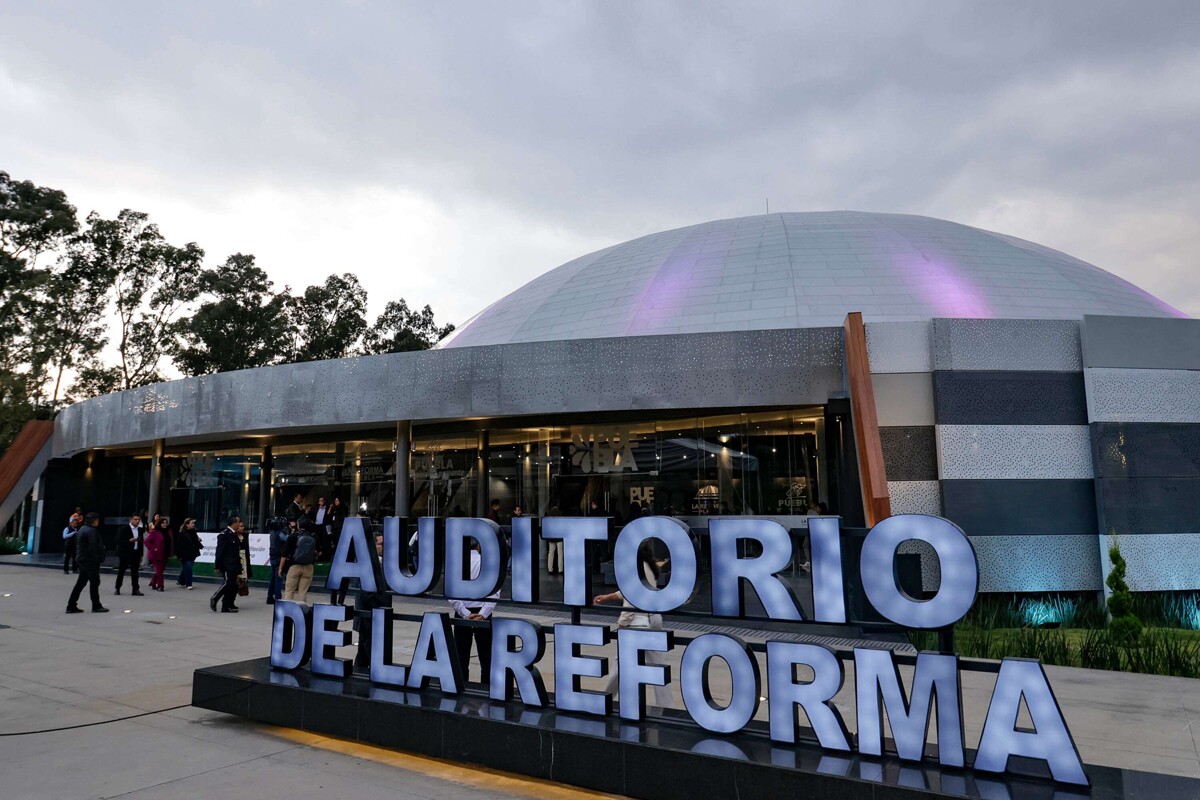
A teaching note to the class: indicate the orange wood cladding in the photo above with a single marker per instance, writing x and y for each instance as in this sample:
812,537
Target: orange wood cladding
876,502
22,452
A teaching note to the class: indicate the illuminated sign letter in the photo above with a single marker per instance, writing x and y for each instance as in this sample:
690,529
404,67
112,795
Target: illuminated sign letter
744,684
429,554
672,533
575,533
291,645
785,695
634,674
433,658
515,667
326,640
570,666
878,689
492,571
382,669
731,573
1050,741
526,532
960,571
825,540
353,539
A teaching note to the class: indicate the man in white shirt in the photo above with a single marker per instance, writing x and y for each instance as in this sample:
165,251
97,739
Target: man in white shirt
129,553
474,611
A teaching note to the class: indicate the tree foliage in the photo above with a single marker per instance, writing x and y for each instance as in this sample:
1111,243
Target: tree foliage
100,308
330,318
242,323
399,329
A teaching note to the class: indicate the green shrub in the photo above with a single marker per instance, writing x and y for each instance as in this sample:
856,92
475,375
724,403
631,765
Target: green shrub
1125,626
11,545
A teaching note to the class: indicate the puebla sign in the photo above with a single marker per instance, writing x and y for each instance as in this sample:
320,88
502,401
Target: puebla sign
305,634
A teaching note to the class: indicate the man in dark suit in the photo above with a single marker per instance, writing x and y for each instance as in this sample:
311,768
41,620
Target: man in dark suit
296,510
228,562
89,553
130,544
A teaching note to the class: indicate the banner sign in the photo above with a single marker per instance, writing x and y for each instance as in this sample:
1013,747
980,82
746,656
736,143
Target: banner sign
305,634
260,548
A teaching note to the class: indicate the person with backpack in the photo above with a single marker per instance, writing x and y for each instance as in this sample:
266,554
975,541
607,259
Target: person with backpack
296,565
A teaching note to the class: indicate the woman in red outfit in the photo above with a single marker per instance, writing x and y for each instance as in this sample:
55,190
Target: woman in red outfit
157,553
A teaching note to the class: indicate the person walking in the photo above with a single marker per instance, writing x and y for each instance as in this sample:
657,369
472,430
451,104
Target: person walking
187,548
156,554
228,562
639,619
296,563
73,525
475,611
130,543
279,530
89,555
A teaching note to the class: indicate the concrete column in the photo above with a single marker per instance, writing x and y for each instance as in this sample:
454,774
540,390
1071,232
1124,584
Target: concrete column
155,478
264,488
481,486
403,468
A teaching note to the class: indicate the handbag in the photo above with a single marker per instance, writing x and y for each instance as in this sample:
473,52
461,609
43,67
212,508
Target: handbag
243,587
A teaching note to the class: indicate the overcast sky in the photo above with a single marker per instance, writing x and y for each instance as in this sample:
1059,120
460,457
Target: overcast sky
450,152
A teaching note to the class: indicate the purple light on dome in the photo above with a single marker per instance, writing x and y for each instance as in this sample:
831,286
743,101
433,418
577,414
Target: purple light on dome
942,286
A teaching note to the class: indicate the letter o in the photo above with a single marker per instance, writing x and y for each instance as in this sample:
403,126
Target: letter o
960,571
673,534
745,682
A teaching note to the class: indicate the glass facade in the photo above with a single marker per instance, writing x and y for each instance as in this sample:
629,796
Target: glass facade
761,463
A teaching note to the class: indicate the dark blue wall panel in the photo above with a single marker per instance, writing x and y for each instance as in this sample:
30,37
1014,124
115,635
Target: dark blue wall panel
1009,398
1151,505
1013,507
1146,450
909,453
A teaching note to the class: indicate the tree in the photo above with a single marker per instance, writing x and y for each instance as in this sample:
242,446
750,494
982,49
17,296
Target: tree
329,319
243,324
399,329
34,220
152,282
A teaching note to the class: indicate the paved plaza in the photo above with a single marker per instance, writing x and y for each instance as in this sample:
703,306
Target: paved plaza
82,677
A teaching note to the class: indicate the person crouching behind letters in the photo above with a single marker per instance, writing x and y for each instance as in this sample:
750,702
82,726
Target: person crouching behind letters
633,618
474,610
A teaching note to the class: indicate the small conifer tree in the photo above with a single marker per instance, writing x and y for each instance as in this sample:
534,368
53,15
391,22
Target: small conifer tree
1125,626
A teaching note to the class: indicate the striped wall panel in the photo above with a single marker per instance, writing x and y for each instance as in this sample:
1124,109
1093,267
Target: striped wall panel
1014,452
1037,563
1143,395
1160,562
909,453
1009,398
1006,344
1021,507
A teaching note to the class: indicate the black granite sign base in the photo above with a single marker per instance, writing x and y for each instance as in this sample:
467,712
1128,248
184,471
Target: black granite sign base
656,760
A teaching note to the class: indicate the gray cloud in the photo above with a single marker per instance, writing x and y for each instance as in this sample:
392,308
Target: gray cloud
549,129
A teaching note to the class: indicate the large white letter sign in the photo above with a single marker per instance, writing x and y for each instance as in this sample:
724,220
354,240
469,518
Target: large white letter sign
672,533
829,595
570,666
575,533
731,573
960,571
459,585
433,658
291,645
1050,742
634,674
878,689
429,554
353,539
744,682
526,532
512,665
326,640
785,695
382,669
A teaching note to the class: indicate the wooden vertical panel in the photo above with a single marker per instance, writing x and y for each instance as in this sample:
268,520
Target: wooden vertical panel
21,453
872,475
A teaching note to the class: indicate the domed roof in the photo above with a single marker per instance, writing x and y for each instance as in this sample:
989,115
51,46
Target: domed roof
802,270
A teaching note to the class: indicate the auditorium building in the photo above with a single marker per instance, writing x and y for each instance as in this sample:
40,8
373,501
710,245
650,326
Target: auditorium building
868,364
